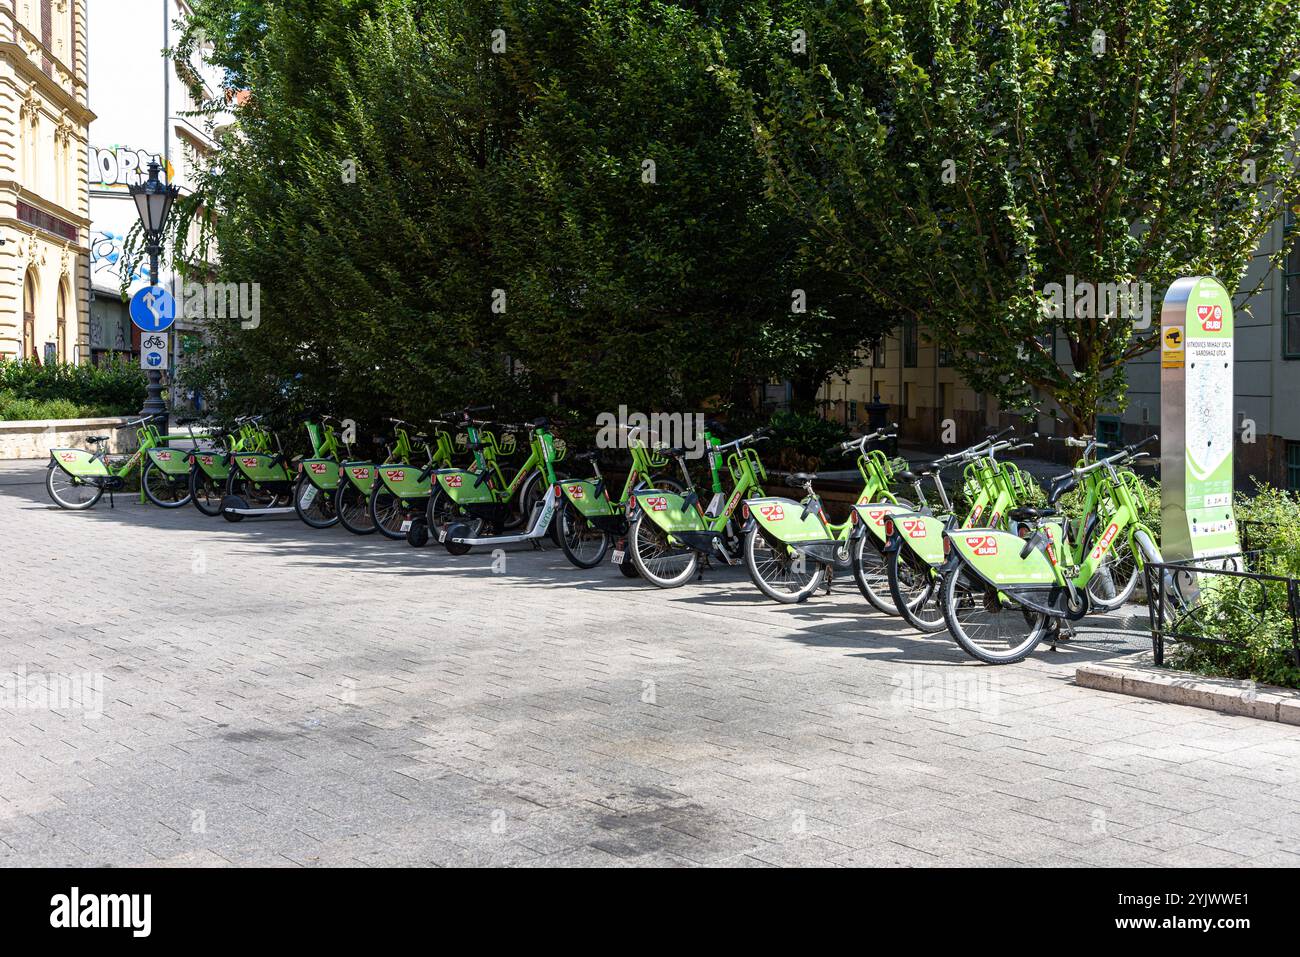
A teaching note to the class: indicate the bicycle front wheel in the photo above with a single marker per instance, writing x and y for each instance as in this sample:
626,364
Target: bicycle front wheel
164,490
1114,581
988,627
659,561
71,493
779,575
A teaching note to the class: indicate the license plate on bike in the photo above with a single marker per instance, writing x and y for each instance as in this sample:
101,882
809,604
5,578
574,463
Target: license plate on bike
406,525
442,535
617,559
308,497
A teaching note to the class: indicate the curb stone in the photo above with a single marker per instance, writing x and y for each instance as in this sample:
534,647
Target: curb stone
1137,675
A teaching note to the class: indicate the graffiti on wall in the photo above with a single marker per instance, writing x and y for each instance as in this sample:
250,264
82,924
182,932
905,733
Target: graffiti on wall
117,167
106,252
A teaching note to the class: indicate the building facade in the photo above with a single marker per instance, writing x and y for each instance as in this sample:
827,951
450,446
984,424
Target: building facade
44,206
913,376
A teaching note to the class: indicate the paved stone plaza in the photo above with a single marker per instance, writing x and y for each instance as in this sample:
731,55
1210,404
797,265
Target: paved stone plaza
274,695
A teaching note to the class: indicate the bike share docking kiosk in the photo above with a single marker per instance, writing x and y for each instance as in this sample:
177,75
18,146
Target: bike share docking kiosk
1196,426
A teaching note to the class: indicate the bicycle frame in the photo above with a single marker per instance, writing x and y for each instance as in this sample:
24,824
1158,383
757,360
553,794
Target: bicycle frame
542,456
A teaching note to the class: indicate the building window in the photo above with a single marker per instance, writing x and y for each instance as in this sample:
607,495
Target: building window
911,344
1110,430
878,354
1293,466
62,327
29,317
1291,289
944,357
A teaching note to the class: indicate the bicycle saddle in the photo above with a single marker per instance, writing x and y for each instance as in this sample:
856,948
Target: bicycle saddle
584,456
93,439
1026,513
803,476
541,422
909,476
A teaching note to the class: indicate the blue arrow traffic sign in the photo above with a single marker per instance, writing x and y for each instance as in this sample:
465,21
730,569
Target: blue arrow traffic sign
153,309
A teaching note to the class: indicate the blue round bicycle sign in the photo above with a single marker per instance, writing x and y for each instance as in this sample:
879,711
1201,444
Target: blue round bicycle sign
153,309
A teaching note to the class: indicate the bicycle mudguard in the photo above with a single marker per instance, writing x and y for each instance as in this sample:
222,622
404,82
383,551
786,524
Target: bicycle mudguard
260,467
172,462
322,473
785,520
996,558
361,475
921,534
78,463
665,510
214,465
872,517
587,497
464,488
404,481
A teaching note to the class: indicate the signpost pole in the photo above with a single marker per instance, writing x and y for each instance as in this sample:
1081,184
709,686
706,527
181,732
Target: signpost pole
153,403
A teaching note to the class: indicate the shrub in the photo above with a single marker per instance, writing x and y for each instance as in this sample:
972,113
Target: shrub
799,442
117,388
1252,615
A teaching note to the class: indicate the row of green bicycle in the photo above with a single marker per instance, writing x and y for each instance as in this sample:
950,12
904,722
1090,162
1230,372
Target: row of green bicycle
1002,576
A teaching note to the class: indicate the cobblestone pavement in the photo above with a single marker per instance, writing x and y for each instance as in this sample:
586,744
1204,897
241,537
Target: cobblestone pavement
274,695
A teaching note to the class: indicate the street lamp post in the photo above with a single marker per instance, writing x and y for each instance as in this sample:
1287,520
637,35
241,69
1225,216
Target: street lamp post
153,201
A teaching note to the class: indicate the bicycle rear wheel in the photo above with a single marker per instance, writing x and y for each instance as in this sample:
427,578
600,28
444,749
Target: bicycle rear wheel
205,493
583,544
779,575
914,586
1115,580
388,512
316,507
659,561
165,491
987,626
354,510
71,493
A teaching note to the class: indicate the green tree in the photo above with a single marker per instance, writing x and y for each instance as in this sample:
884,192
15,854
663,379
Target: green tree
955,157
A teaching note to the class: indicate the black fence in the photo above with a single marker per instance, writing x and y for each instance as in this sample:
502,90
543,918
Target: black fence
1177,615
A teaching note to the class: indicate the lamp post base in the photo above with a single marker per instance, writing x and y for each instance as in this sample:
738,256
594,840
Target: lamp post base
153,403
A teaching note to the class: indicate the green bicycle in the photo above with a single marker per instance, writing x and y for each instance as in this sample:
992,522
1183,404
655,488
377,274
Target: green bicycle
913,547
1002,595
401,489
591,522
76,479
671,535
210,468
791,548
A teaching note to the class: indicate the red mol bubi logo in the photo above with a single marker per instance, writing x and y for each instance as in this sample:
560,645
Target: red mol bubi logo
1211,318
773,513
577,491
318,468
914,527
1104,543
395,475
455,481
877,515
206,459
249,462
164,456
657,503
362,473
68,456
982,545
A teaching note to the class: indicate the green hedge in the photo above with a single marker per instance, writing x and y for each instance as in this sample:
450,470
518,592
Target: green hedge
29,390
